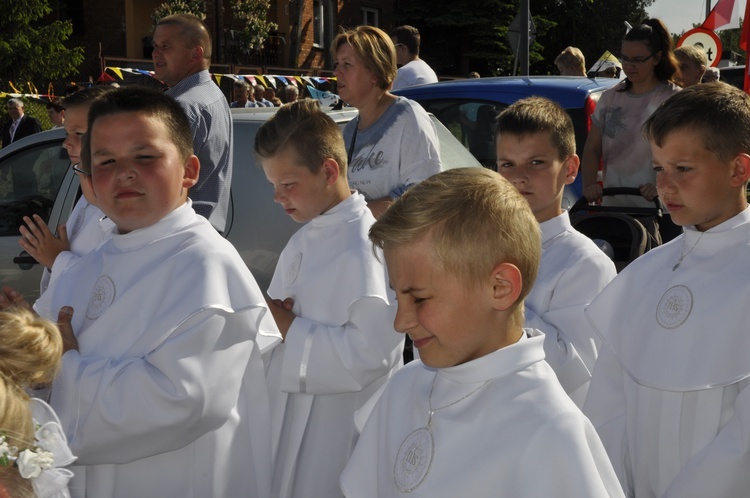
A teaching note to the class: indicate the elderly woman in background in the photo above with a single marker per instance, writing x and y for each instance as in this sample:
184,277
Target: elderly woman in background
571,62
393,143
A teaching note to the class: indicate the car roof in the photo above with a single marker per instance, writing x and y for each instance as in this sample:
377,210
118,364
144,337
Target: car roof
568,91
261,114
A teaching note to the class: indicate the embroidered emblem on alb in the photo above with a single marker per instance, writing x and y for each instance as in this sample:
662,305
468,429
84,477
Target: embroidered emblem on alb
413,460
674,307
294,267
101,297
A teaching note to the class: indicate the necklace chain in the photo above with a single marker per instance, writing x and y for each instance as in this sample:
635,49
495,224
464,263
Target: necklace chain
433,410
683,256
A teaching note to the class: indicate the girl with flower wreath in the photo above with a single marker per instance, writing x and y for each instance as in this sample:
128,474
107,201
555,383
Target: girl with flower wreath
33,446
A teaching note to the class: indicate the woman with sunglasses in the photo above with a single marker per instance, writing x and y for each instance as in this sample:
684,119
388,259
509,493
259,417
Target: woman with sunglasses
615,140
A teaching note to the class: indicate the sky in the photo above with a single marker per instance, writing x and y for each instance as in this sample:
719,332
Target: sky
680,15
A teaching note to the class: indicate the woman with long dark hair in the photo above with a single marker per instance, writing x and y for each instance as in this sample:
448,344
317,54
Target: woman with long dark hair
647,57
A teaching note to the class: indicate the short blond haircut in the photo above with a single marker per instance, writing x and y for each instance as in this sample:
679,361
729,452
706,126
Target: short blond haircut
30,353
304,128
375,48
476,219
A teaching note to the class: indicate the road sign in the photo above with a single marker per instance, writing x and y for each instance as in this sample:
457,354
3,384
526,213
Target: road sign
514,32
704,39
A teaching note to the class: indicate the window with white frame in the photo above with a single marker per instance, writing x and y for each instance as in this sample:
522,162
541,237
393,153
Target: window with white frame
370,17
318,23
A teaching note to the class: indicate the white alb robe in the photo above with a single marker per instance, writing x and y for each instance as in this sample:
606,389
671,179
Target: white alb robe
519,435
572,272
87,227
167,396
669,395
339,350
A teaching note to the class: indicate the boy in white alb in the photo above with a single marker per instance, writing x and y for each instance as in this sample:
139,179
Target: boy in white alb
162,389
87,226
535,145
330,301
670,394
482,413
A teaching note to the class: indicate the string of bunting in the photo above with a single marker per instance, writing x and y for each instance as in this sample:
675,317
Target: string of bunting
114,74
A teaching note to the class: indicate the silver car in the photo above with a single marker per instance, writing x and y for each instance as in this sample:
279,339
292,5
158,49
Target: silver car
257,227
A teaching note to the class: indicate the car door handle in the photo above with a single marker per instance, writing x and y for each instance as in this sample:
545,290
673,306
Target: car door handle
25,261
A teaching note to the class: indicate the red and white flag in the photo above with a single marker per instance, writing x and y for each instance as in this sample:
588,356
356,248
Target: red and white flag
724,15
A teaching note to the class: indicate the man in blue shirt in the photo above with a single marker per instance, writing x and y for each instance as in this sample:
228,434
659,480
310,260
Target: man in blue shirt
182,56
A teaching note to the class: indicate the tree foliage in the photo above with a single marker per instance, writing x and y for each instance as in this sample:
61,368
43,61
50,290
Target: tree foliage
32,50
252,15
459,36
194,7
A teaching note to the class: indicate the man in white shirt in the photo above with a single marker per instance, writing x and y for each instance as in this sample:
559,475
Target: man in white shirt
412,70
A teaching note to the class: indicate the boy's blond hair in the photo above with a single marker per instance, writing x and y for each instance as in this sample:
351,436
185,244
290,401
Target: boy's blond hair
536,115
375,48
717,112
303,127
476,219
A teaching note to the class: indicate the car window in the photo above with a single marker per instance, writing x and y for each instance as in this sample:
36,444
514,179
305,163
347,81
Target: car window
29,182
471,122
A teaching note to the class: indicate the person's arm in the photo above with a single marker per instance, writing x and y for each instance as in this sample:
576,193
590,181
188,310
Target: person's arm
117,410
592,154
379,206
572,277
321,359
419,149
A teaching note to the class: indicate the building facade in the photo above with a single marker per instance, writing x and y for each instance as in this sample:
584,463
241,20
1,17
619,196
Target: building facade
120,31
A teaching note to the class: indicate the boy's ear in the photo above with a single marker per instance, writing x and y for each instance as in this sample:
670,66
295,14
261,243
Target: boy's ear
198,53
506,285
331,170
740,170
192,170
571,165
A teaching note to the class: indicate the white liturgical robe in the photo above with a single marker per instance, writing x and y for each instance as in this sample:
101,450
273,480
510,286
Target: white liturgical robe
167,396
669,396
573,270
502,426
339,350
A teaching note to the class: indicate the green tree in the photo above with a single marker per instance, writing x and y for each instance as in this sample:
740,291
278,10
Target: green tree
591,25
195,7
473,35
252,15
32,50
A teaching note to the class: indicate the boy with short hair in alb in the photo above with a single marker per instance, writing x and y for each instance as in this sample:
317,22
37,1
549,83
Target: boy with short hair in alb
670,393
536,152
481,413
331,303
162,389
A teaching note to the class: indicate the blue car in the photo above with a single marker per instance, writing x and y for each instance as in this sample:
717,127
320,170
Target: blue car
468,107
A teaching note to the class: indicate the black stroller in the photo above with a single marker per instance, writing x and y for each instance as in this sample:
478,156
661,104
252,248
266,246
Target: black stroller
623,232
